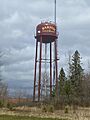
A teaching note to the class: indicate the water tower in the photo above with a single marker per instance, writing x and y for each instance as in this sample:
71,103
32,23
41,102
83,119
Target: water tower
46,36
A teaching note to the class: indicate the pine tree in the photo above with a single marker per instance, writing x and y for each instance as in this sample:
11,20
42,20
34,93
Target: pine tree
61,81
76,74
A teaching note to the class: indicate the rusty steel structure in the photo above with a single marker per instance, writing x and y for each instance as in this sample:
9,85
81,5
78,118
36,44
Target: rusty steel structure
46,34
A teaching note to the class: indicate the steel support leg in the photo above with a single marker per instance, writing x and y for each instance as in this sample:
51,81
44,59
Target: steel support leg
34,90
40,60
50,70
56,67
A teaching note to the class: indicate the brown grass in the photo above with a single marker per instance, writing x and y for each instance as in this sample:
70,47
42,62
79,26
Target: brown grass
73,114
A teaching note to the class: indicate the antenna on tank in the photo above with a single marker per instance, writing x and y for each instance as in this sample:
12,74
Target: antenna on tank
55,13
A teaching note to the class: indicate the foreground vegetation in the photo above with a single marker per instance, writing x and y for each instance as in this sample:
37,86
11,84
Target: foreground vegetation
6,117
45,112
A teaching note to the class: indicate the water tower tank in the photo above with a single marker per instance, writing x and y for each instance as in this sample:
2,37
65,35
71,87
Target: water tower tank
48,32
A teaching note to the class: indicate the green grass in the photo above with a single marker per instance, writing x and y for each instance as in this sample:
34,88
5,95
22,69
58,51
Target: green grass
7,117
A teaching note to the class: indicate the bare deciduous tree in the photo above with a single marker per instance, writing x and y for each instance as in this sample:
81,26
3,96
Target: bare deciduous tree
3,86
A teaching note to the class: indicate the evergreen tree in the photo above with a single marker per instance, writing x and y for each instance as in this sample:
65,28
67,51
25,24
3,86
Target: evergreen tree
76,74
67,89
61,81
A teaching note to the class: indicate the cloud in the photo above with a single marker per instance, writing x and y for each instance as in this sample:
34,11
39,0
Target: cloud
12,19
18,20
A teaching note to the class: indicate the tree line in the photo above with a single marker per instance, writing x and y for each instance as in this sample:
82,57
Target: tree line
75,88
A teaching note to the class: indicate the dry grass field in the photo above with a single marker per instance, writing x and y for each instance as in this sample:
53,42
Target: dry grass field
78,114
8,117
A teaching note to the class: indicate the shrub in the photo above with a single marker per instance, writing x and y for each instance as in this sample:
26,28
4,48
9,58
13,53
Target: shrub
9,106
51,109
66,109
1,104
44,109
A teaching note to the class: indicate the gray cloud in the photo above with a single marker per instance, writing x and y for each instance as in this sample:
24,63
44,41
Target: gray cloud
18,19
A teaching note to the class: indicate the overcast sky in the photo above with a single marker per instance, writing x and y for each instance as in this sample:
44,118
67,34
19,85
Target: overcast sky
18,19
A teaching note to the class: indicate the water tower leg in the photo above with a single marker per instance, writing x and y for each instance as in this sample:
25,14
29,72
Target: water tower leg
34,90
40,60
50,70
56,66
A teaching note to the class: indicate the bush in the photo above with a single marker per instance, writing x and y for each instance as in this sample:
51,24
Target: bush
66,109
44,109
51,109
1,104
9,106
